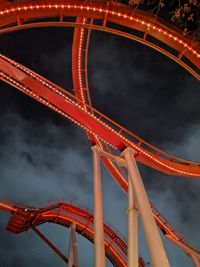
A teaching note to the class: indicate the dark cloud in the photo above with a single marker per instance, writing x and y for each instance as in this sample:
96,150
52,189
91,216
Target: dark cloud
143,90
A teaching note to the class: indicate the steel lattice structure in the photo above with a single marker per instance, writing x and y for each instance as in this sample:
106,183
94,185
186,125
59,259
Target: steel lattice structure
25,217
111,17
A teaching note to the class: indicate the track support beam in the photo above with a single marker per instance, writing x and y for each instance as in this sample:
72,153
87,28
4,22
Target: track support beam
132,227
137,194
99,249
62,256
191,252
73,247
155,246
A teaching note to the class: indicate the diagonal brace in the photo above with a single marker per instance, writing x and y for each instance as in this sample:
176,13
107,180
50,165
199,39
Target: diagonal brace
49,243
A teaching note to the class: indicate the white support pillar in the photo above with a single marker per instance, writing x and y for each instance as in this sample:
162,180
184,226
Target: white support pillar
191,252
156,249
73,247
132,227
99,249
195,260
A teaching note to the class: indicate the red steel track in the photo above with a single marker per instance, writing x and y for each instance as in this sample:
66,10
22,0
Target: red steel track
26,217
25,11
90,119
102,16
20,15
64,103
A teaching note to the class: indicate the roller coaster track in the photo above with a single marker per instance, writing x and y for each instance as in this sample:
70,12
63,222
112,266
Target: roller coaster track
25,217
23,12
102,16
91,120
66,105
106,16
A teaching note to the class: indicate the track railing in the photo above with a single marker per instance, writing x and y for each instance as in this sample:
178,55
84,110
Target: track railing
63,214
47,93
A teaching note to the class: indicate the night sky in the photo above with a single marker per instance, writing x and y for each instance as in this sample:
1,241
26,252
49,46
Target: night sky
43,156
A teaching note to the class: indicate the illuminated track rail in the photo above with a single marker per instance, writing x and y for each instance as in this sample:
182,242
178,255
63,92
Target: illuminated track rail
66,105
25,217
80,63
17,16
92,120
24,12
80,46
145,28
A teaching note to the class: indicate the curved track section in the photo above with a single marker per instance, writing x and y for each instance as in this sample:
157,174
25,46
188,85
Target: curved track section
80,46
66,105
109,17
163,39
91,120
80,53
25,217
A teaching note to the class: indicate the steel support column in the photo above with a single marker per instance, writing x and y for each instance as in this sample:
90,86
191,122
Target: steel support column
190,251
99,249
132,227
73,247
156,249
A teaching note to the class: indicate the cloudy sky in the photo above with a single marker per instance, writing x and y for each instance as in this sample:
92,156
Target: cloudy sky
43,156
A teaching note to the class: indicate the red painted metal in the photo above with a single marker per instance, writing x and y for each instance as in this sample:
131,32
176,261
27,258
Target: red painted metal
164,35
50,244
92,121
25,218
79,62
20,220
12,17
64,103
